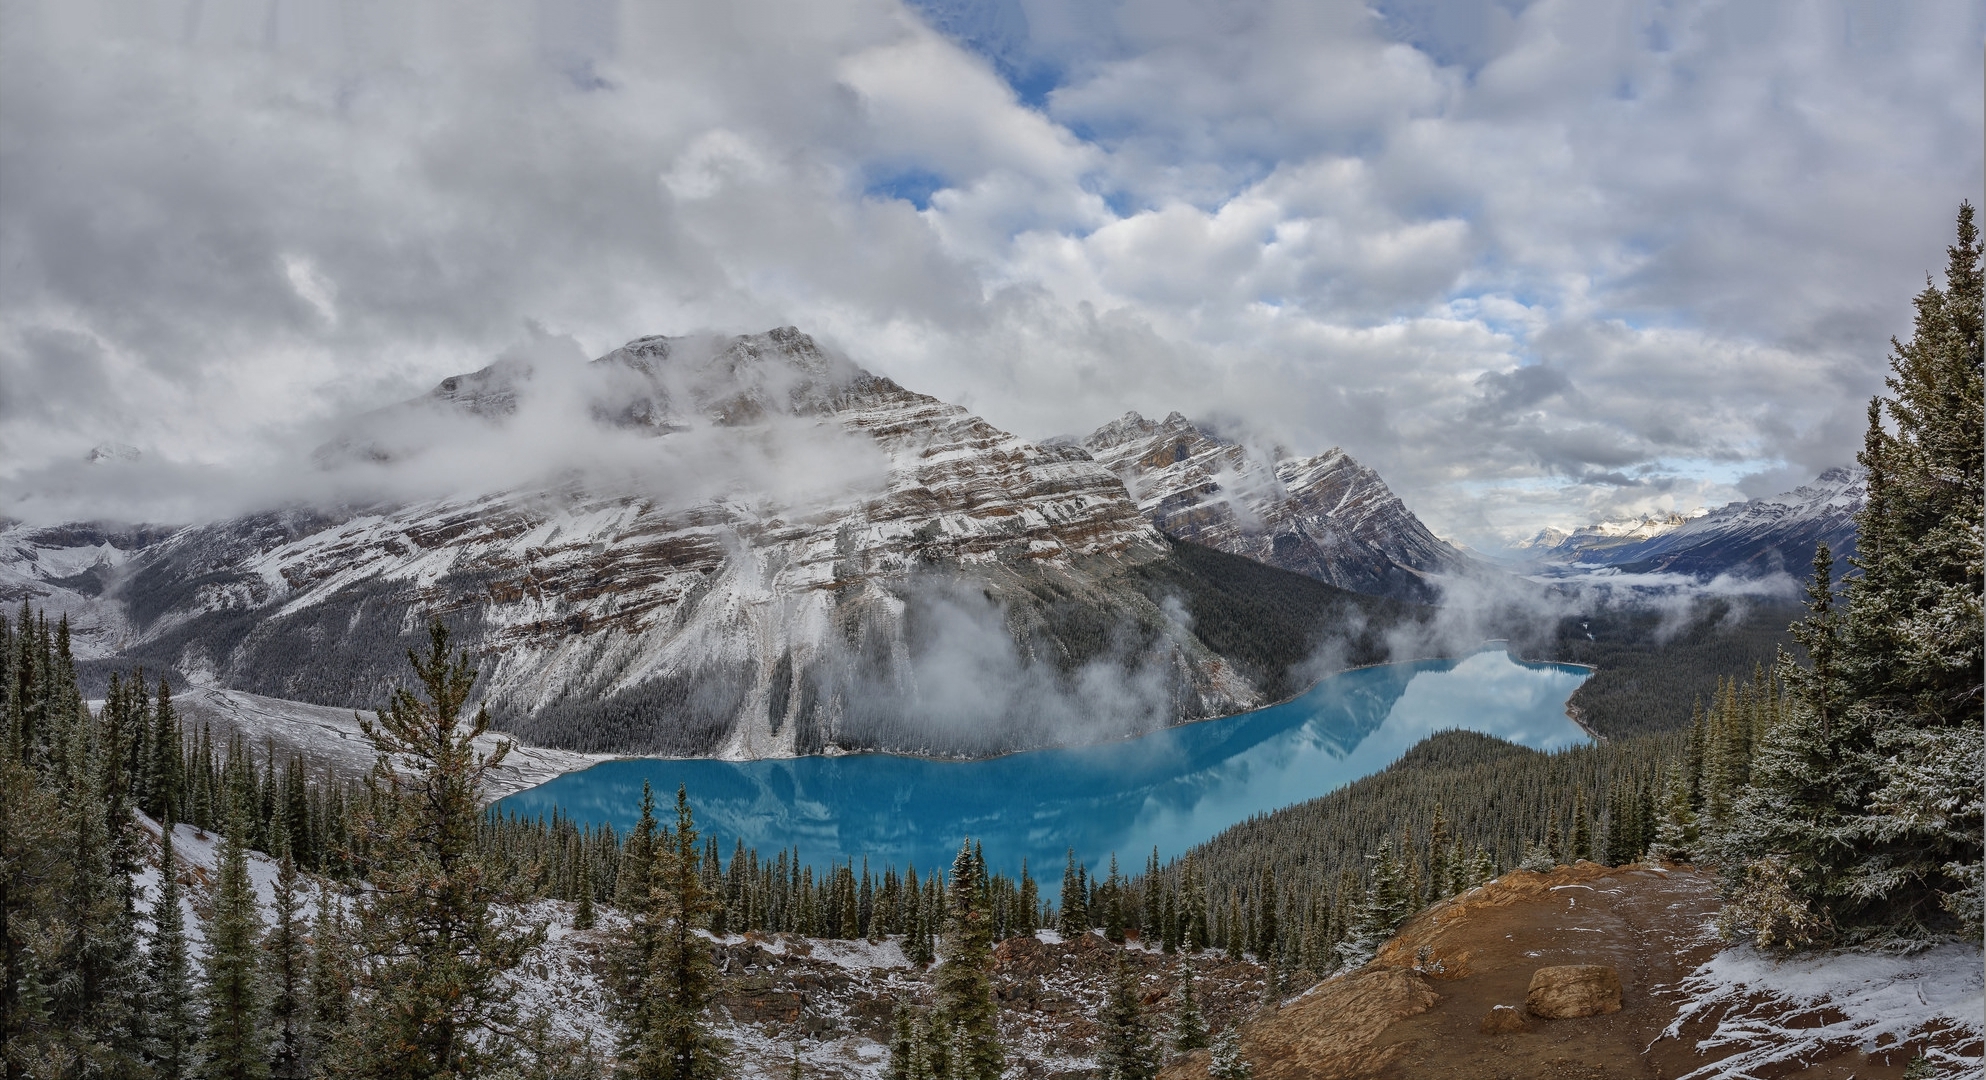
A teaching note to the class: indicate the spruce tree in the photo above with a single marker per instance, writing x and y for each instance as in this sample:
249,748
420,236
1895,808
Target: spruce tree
1189,1025
30,845
236,1041
1867,791
1113,905
1073,921
1125,1050
965,991
287,973
1677,836
1226,1061
582,916
903,1043
169,976
435,952
664,977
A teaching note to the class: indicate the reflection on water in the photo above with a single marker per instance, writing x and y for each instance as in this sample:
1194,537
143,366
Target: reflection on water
1169,790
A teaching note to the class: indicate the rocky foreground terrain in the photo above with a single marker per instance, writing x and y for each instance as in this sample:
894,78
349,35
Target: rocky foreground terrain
1454,994
1448,996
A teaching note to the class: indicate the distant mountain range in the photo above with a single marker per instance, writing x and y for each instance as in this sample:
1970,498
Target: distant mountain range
770,551
1776,534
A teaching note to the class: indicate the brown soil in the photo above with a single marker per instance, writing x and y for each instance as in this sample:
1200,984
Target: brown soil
1426,1008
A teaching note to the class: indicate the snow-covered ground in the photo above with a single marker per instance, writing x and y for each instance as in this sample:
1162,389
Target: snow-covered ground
1770,1014
329,737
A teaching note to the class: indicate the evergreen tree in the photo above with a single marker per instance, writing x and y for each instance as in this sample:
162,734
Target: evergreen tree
1226,1062
287,973
332,979
903,1043
1189,1026
434,997
965,991
169,977
1268,933
94,989
664,975
1676,838
1074,921
235,1045
1582,829
1867,793
582,917
1113,905
1441,869
1125,1050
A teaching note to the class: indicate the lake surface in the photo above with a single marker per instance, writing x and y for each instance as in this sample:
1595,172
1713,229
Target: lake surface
1171,789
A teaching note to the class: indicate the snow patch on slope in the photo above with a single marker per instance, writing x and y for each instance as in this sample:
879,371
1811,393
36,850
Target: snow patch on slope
1772,1012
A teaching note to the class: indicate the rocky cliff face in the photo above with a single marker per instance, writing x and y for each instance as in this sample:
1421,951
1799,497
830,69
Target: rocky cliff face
1326,517
769,551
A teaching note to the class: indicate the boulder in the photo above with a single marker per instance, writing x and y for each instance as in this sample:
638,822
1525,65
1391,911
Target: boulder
1503,1020
1562,993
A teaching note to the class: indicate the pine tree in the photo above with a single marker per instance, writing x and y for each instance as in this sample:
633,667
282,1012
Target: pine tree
235,1045
1441,868
332,979
1226,1062
1582,828
1677,836
965,992
169,978
287,973
1189,1025
1113,905
1125,1050
1867,791
1074,921
664,975
434,999
582,917
903,1043
1268,934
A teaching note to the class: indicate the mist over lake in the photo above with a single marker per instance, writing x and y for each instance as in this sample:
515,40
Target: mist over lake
1169,790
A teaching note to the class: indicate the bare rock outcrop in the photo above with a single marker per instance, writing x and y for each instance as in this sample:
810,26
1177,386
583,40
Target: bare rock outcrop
1570,991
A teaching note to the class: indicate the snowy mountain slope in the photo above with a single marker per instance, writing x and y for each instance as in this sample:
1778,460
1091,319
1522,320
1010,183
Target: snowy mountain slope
757,548
1750,539
1326,517
65,570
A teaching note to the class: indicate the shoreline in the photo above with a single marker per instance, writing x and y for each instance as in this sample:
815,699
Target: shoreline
1486,646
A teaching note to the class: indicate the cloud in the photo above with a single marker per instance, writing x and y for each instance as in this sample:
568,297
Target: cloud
1535,262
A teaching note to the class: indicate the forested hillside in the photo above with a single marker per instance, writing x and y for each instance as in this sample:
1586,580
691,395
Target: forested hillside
1652,672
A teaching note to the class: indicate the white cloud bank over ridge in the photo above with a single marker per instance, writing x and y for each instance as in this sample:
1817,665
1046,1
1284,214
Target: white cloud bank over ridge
1534,262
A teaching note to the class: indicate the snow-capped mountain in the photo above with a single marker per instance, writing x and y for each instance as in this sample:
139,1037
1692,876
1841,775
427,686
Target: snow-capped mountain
1754,538
64,571
1327,517
745,546
1582,543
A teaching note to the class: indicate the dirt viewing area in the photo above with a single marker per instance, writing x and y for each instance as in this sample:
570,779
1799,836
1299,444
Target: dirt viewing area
1446,997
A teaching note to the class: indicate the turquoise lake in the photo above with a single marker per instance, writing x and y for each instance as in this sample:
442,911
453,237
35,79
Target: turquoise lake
1170,790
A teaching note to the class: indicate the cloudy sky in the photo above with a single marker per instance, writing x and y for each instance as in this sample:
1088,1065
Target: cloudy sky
1536,262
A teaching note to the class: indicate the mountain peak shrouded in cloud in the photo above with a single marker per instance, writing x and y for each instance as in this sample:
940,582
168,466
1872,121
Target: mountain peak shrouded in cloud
1491,250
745,546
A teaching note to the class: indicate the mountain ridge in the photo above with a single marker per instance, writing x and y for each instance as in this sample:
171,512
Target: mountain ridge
956,589
1325,516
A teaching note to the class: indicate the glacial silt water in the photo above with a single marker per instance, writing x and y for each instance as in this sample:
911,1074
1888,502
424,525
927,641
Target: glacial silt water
1170,789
